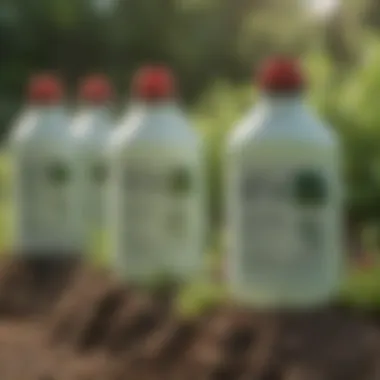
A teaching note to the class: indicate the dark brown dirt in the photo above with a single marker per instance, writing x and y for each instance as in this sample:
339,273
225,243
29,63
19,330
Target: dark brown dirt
62,320
29,287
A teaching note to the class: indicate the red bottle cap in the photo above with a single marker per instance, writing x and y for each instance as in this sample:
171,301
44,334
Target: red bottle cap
281,75
153,83
95,89
45,89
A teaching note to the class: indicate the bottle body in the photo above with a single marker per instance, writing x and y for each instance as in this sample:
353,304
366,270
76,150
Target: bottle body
91,128
284,209
45,181
155,196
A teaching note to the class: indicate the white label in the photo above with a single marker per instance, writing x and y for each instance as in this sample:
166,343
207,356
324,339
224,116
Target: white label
45,212
157,213
283,213
56,177
28,174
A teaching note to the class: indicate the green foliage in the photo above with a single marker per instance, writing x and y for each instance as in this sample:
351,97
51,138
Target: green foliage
362,288
215,114
198,298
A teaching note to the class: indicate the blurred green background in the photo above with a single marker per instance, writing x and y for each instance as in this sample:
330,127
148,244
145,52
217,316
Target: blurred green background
214,47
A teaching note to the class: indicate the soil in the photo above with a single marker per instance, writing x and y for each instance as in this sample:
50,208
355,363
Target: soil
63,320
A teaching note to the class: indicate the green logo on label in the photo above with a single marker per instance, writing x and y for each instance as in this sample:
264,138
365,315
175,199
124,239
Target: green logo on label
180,181
57,173
310,188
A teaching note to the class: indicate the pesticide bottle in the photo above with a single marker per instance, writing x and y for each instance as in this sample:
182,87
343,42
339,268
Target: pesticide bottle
91,128
284,198
44,158
156,185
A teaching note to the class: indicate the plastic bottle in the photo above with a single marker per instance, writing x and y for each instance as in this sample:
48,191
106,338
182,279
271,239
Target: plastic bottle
284,198
156,185
91,127
44,157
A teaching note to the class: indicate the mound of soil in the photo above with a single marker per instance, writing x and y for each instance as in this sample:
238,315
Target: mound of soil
67,321
31,286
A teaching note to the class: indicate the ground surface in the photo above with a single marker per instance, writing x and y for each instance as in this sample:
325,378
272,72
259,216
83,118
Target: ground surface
63,321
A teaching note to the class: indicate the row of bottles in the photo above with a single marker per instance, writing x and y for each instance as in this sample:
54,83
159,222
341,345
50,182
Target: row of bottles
144,179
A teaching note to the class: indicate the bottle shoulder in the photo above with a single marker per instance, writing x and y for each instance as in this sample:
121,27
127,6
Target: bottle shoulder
261,127
47,133
162,130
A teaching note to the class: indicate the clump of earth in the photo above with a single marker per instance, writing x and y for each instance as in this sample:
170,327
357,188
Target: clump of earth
64,320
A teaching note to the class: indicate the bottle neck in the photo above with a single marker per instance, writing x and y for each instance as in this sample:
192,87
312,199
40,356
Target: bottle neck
46,108
282,102
95,109
157,106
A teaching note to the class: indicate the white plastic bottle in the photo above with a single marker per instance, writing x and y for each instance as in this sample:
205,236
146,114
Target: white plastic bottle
46,195
284,198
156,185
91,128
